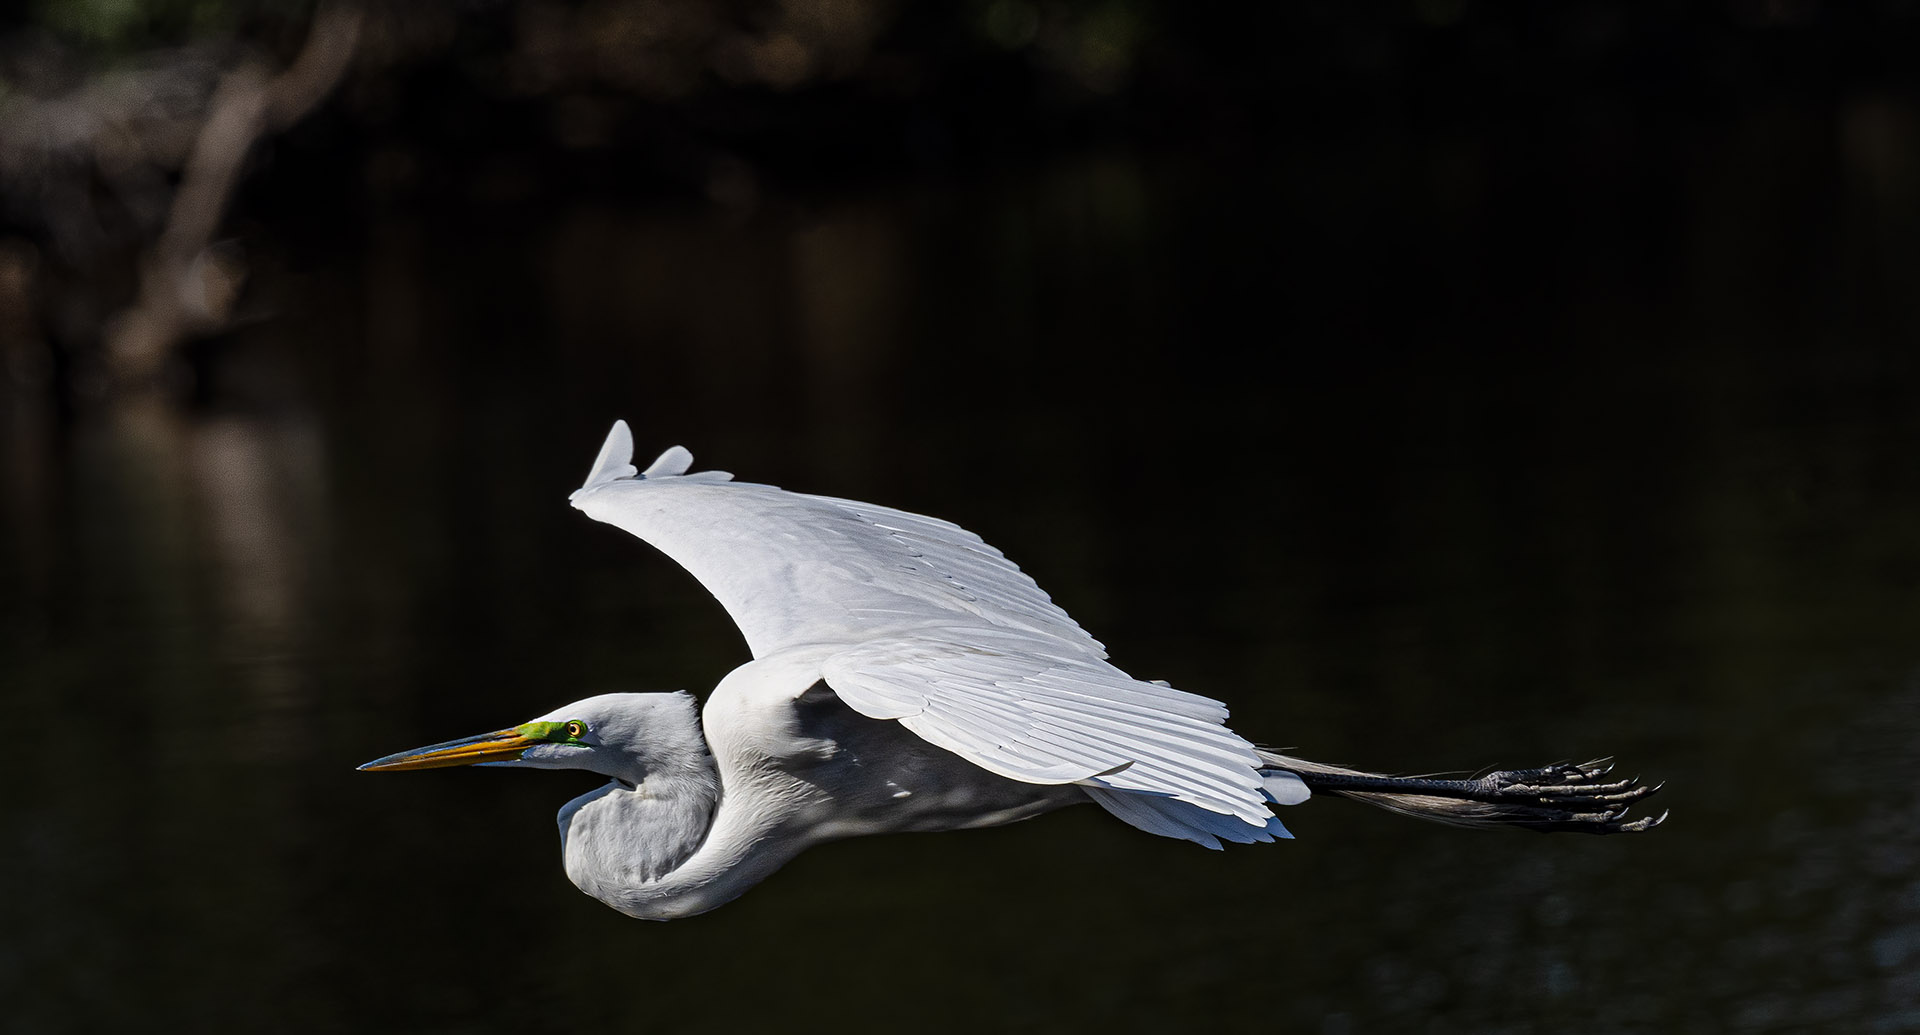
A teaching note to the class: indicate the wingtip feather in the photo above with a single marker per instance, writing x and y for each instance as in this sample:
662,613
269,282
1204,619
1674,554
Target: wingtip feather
614,462
675,461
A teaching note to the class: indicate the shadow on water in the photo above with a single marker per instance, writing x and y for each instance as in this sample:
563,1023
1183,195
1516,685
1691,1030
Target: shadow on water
1416,470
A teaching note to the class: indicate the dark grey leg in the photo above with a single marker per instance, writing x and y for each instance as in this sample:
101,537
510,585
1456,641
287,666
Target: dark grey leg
1560,797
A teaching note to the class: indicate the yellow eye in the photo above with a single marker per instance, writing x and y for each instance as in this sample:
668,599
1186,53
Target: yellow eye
575,728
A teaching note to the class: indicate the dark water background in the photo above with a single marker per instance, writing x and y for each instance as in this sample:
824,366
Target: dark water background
1499,447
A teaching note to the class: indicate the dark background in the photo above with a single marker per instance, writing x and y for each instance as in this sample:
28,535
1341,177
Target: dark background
1442,385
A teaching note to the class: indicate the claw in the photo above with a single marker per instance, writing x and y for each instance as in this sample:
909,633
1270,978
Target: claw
1643,823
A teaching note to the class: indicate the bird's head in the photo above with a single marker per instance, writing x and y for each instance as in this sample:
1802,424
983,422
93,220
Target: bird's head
626,737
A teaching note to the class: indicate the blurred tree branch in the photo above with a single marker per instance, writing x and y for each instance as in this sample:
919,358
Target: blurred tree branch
188,285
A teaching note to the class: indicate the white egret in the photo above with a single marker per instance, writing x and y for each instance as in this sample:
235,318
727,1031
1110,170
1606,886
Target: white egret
907,676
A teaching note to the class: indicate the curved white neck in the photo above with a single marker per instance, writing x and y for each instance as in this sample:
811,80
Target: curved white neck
697,833
673,846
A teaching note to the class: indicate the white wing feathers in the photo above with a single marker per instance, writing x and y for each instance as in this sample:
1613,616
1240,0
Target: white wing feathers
616,459
795,570
615,464
944,634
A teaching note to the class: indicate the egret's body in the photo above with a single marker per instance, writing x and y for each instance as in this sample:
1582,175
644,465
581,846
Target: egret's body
784,774
906,677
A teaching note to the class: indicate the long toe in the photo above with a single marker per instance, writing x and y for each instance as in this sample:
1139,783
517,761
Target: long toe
1566,797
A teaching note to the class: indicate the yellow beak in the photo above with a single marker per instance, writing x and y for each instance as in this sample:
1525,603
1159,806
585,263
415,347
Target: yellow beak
502,746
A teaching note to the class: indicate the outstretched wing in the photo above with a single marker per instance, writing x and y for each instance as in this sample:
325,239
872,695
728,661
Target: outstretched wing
941,632
796,570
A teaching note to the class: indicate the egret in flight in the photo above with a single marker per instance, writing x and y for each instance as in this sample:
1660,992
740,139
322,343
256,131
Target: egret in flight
907,676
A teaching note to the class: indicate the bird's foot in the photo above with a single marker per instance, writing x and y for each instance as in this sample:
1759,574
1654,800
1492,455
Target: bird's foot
1567,797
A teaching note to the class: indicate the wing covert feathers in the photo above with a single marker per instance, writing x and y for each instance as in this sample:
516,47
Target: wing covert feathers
939,631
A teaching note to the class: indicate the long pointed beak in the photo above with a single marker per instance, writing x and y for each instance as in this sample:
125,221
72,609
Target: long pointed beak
501,746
